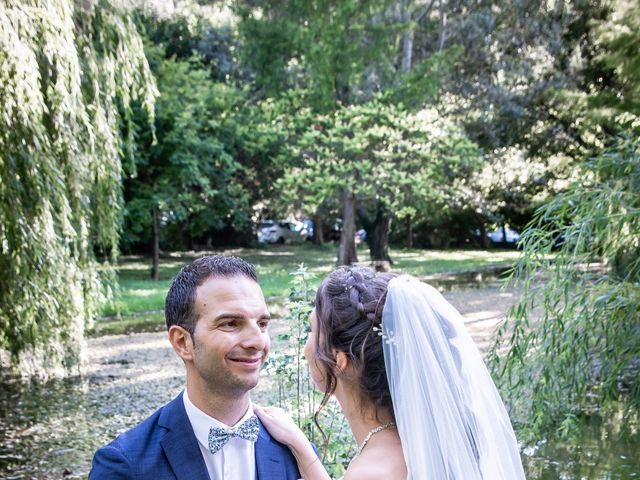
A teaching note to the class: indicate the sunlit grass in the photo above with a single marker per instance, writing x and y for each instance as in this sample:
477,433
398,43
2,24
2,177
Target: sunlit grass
139,302
428,262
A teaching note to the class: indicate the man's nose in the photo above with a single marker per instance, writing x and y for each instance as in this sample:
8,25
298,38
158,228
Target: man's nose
254,337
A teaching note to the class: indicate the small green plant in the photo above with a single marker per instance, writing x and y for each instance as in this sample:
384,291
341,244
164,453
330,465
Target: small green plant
295,391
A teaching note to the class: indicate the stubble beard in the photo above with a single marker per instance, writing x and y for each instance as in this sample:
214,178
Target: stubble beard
219,380
224,381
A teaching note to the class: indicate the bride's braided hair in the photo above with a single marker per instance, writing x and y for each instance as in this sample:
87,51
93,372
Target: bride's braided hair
349,306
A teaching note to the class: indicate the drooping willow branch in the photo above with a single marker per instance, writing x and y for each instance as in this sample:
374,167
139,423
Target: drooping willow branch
68,74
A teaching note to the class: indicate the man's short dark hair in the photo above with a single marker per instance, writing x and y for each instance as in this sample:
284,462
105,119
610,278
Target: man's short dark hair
179,304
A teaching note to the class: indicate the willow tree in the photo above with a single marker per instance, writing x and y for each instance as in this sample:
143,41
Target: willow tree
68,74
578,352
582,353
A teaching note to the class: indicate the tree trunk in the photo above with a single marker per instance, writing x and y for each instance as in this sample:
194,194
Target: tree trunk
318,227
407,36
342,90
409,225
155,244
443,27
484,240
379,240
347,252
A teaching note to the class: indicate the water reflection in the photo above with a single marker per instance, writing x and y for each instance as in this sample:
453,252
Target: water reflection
447,282
44,429
600,450
50,430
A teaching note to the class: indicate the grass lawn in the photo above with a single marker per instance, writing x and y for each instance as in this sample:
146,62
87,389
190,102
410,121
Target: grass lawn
139,303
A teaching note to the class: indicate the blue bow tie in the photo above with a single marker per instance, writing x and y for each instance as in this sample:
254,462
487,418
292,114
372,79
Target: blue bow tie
218,437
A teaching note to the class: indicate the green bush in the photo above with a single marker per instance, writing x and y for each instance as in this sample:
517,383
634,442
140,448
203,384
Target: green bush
295,391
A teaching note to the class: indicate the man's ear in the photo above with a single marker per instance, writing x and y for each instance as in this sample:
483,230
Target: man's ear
181,341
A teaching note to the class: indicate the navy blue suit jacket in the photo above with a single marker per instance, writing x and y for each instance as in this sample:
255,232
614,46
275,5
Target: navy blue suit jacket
164,447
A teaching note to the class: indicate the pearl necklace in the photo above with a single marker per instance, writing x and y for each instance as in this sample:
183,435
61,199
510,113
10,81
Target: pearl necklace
379,428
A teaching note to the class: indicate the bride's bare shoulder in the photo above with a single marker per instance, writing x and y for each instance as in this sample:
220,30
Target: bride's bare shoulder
383,463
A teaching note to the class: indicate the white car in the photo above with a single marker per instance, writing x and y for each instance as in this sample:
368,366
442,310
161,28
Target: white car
282,231
509,235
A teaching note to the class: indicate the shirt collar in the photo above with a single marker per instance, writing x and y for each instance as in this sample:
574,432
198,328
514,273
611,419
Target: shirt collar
202,423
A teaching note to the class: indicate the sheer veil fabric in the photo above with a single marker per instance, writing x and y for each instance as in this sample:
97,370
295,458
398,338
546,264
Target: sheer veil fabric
451,419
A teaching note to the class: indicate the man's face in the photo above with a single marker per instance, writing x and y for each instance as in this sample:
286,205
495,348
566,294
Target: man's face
230,339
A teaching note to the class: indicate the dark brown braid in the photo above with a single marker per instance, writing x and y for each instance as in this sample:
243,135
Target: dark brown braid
349,306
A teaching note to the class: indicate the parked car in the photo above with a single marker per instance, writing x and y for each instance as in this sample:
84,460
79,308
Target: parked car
307,229
509,235
281,231
497,236
336,231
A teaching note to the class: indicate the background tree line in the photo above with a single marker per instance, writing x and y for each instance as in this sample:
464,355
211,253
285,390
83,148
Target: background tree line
517,81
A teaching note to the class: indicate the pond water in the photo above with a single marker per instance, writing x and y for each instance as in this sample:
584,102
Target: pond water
446,282
598,451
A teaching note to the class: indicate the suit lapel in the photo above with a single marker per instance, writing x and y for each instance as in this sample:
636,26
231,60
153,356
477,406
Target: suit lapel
268,459
180,444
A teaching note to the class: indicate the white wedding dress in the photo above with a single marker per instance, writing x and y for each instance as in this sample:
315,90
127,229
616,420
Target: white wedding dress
450,417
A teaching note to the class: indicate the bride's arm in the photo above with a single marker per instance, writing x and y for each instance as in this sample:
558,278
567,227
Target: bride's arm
282,427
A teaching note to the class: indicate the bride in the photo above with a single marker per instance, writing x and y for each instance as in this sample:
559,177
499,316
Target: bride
414,389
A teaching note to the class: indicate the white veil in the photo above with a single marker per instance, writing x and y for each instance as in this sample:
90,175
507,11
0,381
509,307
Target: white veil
451,420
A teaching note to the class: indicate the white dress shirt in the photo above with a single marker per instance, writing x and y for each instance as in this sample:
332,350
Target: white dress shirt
236,460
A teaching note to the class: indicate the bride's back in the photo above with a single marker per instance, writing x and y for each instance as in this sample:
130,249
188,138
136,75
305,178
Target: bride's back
382,459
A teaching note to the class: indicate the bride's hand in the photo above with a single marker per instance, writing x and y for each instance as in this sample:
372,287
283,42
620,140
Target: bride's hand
280,425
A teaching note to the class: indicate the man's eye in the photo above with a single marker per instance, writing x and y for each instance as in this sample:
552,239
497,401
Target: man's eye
229,324
264,324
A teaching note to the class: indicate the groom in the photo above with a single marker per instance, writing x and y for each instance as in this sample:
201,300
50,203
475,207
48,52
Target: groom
217,320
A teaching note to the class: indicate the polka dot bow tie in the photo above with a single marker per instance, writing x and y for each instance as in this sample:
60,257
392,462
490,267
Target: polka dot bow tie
218,437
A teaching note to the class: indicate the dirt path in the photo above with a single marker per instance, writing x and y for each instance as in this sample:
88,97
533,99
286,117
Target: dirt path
148,358
482,309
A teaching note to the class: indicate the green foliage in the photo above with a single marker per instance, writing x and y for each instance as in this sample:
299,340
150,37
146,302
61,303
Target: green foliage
605,101
582,353
423,81
68,74
215,156
188,171
507,189
192,28
408,162
326,47
619,36
296,392
539,86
